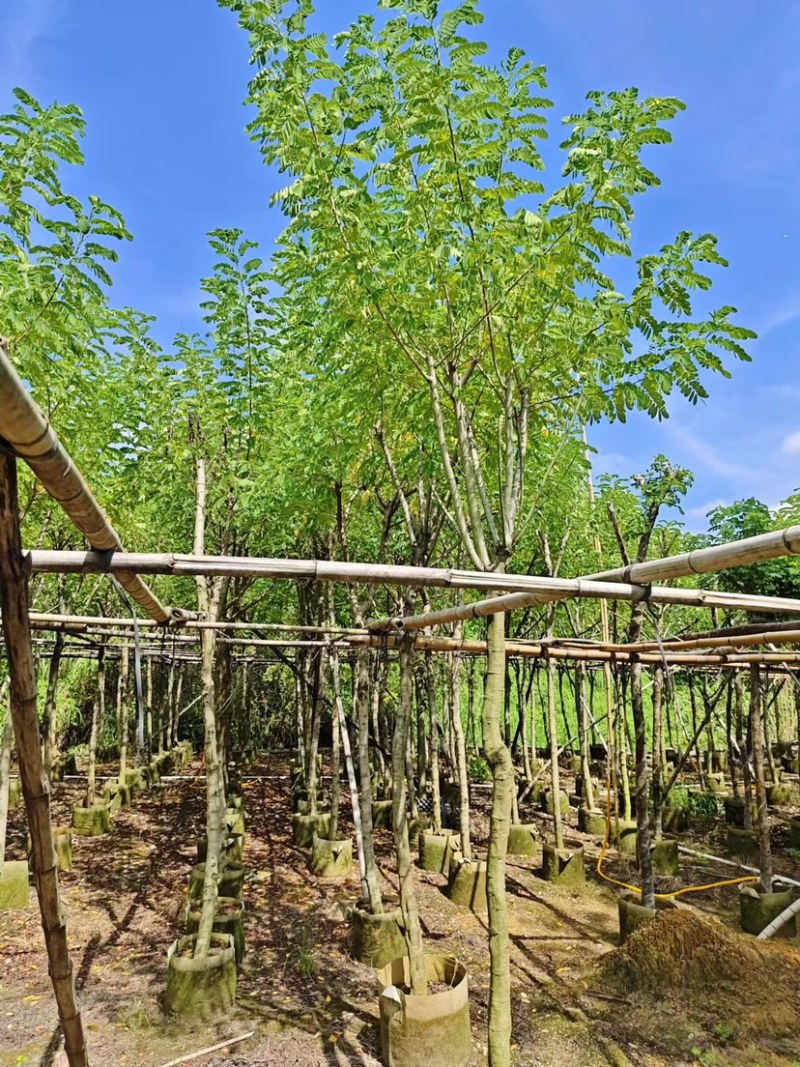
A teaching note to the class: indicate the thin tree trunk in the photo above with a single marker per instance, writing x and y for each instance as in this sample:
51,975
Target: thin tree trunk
14,607
729,730
405,868
762,815
422,744
5,782
353,785
583,713
523,701
642,789
215,800
499,759
765,707
215,804
623,748
336,727
315,711
375,704
564,716
658,752
122,711
555,778
471,738
98,715
436,788
744,749
148,712
371,882
50,724
461,768
176,718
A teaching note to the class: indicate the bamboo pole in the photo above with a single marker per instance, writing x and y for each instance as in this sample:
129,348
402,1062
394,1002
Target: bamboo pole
28,431
53,620
35,787
785,542
581,588
529,589
764,637
636,578
589,652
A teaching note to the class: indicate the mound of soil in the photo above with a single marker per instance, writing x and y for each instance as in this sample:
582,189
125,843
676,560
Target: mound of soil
713,971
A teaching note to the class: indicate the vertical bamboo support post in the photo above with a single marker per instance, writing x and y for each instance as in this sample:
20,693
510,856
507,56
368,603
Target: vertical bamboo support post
499,759
405,868
14,605
762,815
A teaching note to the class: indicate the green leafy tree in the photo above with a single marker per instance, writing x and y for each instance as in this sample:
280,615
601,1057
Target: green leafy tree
749,518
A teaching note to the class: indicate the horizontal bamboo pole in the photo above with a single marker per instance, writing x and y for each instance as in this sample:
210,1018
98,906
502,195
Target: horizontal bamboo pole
584,588
530,650
516,649
766,637
170,563
638,577
26,429
741,553
532,588
42,620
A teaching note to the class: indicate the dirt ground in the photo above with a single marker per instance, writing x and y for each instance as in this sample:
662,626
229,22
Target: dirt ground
307,1002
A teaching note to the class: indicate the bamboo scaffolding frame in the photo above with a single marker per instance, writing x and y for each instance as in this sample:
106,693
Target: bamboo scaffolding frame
533,589
555,648
35,786
778,662
767,637
637,576
182,623
24,427
785,542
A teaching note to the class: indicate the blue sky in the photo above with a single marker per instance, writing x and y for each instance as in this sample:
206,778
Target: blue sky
161,83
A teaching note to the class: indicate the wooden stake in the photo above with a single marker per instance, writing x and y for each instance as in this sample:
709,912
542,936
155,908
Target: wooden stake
35,787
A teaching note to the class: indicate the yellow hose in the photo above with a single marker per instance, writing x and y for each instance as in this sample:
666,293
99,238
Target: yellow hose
637,889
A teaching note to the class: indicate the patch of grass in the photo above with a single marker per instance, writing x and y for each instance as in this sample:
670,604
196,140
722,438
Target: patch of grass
136,1017
479,769
703,804
724,1032
301,956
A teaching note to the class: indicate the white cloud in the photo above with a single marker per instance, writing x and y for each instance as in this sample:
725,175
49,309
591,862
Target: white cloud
612,463
702,510
703,455
779,317
791,443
